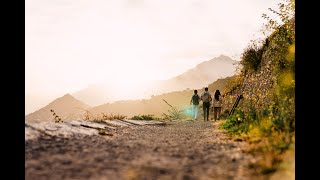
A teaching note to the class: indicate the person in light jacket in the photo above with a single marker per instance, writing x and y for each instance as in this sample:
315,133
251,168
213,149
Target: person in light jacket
217,102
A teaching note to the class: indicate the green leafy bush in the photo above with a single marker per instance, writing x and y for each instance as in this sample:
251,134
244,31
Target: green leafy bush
251,57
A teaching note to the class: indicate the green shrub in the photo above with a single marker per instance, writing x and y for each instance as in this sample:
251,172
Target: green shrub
236,124
251,57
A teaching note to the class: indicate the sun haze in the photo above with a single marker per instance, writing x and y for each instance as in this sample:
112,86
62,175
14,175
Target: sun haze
72,44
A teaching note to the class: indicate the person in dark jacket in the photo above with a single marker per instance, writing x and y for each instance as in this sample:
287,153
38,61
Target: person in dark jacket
195,104
206,98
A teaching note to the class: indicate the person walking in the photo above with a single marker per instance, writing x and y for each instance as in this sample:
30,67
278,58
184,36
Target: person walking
217,102
195,104
206,98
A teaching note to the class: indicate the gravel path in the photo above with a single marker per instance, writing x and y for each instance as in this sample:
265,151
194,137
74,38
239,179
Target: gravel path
180,150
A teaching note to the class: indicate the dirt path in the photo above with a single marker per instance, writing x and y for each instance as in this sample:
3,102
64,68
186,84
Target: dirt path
180,150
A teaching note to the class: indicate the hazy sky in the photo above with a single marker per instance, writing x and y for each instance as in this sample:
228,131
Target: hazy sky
73,43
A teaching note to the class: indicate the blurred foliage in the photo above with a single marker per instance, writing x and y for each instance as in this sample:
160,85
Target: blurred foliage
173,113
145,117
103,117
266,116
251,57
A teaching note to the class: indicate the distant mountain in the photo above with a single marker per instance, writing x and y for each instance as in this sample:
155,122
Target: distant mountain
67,107
197,77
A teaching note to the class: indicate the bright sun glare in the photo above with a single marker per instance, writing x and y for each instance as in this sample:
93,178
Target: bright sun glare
74,44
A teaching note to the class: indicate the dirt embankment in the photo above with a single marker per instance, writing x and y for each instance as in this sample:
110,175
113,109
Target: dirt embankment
179,150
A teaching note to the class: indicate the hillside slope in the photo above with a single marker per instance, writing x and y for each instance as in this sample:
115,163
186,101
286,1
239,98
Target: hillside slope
155,105
67,107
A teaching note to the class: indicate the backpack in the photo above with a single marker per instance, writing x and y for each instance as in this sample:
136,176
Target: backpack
195,99
206,97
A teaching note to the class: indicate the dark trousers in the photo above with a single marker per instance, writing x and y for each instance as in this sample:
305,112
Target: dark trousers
206,107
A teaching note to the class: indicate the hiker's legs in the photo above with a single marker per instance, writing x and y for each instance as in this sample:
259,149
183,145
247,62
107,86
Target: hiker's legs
218,112
196,109
204,111
208,109
215,111
192,111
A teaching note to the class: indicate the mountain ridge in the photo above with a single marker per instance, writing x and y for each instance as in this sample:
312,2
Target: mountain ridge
67,107
202,74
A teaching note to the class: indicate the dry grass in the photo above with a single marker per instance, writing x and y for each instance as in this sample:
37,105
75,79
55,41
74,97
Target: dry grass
273,152
57,119
102,117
